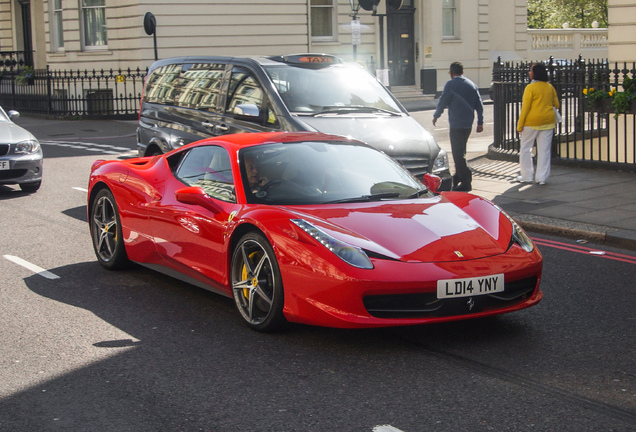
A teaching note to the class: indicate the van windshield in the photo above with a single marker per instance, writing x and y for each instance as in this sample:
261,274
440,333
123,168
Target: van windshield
335,90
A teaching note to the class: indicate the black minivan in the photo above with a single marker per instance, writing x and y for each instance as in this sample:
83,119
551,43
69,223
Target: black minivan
187,99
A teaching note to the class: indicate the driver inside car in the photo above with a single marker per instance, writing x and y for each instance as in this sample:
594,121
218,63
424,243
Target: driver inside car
251,169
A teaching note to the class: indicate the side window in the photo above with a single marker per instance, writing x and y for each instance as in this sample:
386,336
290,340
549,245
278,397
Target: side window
93,24
200,86
449,19
246,96
161,85
57,26
323,20
209,168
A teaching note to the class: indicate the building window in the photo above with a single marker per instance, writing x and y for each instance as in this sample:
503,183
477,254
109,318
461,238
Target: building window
323,20
93,21
57,26
449,18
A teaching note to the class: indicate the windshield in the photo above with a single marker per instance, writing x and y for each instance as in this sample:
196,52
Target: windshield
336,89
3,116
323,173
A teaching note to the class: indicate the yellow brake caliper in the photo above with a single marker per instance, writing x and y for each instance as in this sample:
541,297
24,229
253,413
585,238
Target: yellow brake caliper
246,291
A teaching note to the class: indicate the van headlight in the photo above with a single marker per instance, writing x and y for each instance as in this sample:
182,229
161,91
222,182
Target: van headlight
441,162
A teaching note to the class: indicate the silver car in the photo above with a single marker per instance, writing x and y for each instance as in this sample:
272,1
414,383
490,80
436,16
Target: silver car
20,154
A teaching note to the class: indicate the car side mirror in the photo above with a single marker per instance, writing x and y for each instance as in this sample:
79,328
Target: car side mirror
13,114
194,195
247,112
432,182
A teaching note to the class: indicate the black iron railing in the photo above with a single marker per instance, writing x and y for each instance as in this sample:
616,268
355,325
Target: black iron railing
68,93
15,59
588,132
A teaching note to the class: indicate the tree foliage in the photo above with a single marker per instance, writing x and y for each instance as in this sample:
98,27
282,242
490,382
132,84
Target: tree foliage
577,13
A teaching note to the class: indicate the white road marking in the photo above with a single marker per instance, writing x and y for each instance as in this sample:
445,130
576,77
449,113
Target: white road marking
35,269
81,189
385,428
88,146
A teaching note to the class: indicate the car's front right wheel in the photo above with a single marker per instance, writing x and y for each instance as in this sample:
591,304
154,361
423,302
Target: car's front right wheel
257,286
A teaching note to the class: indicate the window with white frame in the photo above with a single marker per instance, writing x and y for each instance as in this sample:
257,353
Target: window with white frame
323,20
93,22
449,18
57,26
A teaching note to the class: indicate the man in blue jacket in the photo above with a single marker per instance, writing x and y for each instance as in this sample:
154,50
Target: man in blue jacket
461,97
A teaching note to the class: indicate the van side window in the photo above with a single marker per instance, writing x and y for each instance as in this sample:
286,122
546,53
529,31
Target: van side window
161,85
200,86
244,93
209,168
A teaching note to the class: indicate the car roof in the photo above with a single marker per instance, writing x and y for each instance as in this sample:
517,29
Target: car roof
243,140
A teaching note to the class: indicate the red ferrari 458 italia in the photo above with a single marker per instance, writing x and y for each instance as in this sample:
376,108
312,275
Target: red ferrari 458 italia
312,228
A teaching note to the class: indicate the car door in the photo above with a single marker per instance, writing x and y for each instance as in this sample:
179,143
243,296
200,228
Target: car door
191,238
247,106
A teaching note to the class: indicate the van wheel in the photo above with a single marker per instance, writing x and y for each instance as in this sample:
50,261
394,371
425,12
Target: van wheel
154,151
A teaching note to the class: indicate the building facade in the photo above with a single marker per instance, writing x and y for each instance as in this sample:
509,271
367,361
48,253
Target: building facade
410,42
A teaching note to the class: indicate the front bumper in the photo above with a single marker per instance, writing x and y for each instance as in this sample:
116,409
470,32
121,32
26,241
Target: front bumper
400,294
24,169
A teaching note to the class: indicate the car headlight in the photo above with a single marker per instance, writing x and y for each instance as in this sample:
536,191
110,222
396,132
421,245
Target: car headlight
441,162
519,236
27,147
350,254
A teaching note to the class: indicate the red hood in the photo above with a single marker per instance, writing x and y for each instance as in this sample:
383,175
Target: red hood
454,227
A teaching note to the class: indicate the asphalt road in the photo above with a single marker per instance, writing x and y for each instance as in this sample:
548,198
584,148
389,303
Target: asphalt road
85,349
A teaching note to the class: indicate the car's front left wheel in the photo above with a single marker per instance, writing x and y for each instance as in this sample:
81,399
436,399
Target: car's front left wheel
106,232
30,187
257,286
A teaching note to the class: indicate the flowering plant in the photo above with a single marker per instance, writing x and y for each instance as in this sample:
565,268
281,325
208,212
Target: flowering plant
26,73
619,100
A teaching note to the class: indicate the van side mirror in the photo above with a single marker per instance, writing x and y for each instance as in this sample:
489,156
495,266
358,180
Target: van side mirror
247,112
432,182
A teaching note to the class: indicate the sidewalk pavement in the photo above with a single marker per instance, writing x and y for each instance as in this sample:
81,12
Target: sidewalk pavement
592,204
597,205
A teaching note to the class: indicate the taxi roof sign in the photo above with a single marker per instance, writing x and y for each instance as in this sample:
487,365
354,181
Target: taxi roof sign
315,60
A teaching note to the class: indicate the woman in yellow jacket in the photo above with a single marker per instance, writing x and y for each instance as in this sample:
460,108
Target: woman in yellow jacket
536,123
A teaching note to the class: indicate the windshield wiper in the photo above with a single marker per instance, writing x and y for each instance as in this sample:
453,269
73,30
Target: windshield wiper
366,198
417,194
353,109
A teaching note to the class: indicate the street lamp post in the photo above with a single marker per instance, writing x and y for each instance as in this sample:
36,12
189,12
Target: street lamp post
355,28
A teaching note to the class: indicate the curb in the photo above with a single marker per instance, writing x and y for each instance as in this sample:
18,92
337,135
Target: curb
594,233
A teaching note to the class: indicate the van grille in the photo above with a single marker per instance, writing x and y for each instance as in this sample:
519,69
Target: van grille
416,165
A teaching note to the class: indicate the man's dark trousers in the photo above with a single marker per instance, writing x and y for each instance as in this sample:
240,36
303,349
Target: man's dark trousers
458,139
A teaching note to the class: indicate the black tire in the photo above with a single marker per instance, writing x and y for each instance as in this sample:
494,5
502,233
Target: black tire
30,187
106,233
257,286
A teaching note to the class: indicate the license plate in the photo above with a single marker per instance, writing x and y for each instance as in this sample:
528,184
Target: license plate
5,165
469,287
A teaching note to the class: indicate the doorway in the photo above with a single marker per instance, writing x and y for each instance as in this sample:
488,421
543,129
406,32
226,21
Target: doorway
401,46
